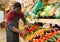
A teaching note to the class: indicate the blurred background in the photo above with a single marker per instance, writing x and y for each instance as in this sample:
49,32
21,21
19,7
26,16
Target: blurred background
6,6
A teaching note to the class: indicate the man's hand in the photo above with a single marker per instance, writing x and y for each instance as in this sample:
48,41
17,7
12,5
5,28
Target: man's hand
28,24
24,32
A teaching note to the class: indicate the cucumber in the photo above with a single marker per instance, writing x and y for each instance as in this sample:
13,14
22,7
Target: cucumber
53,38
58,36
59,33
50,40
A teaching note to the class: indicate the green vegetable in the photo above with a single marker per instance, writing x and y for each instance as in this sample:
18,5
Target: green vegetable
53,38
42,14
25,37
50,40
59,33
59,13
31,33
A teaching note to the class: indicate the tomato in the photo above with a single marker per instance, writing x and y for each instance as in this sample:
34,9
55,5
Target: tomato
56,32
34,40
33,28
58,40
41,37
44,38
37,40
36,26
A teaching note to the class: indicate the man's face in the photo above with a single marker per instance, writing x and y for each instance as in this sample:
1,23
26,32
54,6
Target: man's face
17,10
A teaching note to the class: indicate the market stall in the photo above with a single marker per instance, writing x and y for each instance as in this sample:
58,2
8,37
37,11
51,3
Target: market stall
40,30
43,27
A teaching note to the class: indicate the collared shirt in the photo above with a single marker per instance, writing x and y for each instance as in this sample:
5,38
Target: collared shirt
10,17
13,19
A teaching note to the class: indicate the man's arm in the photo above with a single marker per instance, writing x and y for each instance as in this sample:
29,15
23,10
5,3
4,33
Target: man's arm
13,28
23,18
25,21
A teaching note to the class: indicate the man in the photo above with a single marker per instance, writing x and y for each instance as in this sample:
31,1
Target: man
12,19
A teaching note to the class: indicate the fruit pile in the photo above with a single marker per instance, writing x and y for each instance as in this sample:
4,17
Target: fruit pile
36,33
29,31
44,35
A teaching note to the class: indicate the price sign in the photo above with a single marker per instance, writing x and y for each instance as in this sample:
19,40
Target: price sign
1,16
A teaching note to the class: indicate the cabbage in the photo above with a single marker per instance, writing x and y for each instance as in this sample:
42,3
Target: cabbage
43,14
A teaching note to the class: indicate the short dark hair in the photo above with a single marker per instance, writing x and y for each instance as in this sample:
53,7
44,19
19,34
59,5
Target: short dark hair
17,5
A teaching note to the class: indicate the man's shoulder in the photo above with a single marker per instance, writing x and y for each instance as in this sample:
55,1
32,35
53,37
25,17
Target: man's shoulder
10,13
9,16
21,12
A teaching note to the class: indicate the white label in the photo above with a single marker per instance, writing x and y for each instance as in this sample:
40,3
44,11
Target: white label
1,16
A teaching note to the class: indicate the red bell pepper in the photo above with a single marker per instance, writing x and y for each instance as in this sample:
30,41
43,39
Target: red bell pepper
27,30
21,35
33,28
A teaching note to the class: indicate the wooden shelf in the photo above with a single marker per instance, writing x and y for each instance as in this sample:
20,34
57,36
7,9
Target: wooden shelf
53,21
